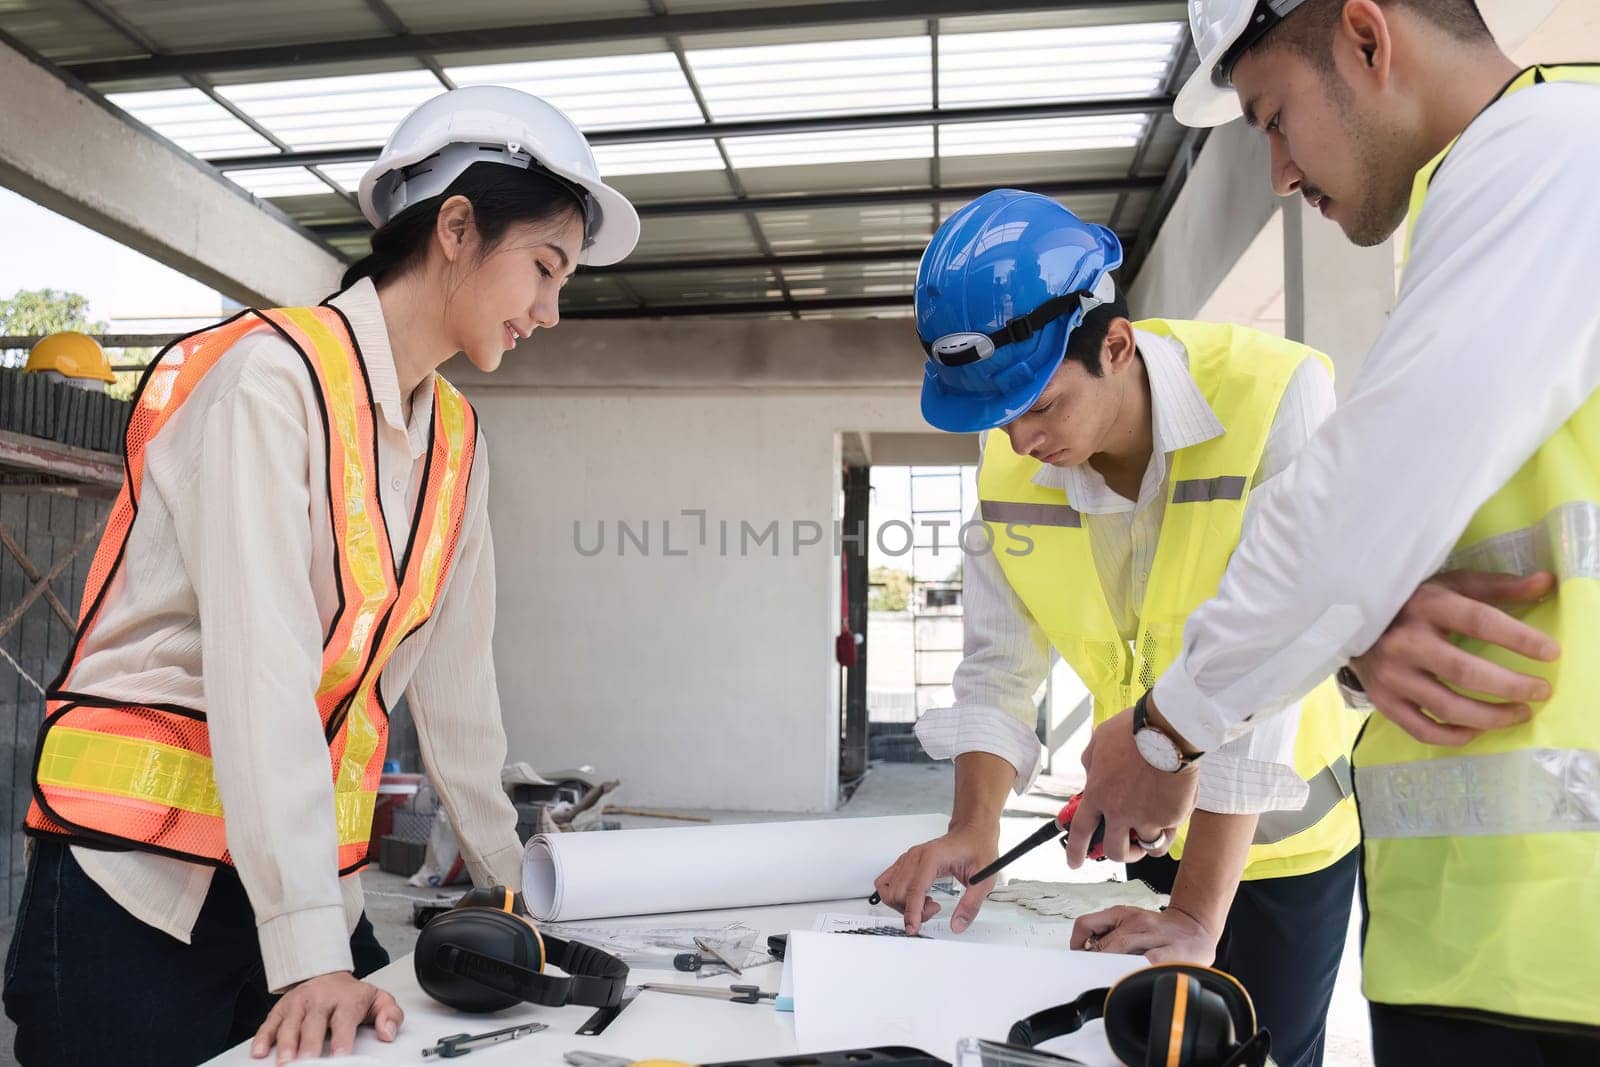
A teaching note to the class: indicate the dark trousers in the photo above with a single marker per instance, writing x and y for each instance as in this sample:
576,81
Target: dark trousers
1404,1037
87,983
1283,940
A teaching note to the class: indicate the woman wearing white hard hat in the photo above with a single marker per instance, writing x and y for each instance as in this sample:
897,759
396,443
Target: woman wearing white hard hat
302,538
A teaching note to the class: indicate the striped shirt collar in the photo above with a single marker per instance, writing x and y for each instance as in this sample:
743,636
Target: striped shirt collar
362,308
1180,417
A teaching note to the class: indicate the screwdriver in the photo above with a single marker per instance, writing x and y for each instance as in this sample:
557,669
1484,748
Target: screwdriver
1057,825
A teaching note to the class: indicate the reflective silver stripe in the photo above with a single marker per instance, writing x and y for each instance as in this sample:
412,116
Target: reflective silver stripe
1030,514
1566,541
1532,791
1198,490
1326,789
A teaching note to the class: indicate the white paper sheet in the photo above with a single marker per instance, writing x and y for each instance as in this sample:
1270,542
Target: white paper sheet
861,991
694,868
985,929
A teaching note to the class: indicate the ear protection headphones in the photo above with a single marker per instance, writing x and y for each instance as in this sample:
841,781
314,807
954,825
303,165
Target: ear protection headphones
1172,1015
486,954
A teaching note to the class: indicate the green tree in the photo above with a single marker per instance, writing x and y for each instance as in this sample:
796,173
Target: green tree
40,311
128,381
891,590
35,312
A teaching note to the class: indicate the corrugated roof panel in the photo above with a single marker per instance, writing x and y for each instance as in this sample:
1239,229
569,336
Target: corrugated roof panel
695,236
279,181
888,312
1040,135
429,16
804,229
587,290
683,185
837,177
1096,208
347,175
606,92
185,25
896,276
657,157
192,121
705,286
1115,12
816,78
359,109
64,33
1024,66
1023,165
843,146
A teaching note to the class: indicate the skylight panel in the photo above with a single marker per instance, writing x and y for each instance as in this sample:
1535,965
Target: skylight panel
604,92
358,109
1078,63
193,121
817,78
346,175
657,157
843,146
1034,136
272,182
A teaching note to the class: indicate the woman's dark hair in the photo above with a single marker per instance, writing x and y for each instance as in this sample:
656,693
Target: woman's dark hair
501,196
1085,342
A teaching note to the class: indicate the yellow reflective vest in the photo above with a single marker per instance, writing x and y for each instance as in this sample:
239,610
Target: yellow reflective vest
1483,862
1044,551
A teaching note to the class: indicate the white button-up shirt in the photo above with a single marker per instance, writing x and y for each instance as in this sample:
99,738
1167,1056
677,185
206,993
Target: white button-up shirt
233,531
1495,342
1007,655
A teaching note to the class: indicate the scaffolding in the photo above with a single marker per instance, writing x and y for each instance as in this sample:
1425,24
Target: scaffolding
938,509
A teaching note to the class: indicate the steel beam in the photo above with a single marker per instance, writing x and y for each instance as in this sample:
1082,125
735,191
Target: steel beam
1139,105
66,149
744,307
591,31
822,201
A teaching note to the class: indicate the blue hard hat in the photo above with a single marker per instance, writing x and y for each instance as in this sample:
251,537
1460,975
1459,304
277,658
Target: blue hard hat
1003,283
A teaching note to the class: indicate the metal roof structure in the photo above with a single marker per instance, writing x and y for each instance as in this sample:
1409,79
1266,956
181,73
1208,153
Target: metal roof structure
789,159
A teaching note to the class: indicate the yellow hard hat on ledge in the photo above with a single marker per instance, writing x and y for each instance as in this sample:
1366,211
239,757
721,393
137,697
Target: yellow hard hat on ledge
72,355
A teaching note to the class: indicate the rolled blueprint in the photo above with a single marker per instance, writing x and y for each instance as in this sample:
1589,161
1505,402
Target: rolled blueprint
602,874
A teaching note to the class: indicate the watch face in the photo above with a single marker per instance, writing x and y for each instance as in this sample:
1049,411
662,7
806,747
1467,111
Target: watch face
1159,750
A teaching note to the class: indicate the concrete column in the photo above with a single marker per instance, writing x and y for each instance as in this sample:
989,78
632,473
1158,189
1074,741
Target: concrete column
1224,204
70,151
1337,296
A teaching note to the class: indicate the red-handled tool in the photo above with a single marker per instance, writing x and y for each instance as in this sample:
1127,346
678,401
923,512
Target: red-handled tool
1058,825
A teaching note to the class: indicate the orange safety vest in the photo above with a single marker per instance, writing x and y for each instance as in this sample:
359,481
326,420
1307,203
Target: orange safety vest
110,773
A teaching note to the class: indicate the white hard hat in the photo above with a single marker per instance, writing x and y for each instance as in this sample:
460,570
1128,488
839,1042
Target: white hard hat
444,136
1223,30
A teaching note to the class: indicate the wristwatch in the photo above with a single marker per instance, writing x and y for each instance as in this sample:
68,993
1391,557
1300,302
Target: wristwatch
1154,744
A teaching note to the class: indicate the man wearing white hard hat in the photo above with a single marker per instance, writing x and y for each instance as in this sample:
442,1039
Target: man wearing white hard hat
301,540
1471,440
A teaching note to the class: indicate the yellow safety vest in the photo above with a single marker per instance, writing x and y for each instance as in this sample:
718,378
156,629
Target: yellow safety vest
1242,374
1483,862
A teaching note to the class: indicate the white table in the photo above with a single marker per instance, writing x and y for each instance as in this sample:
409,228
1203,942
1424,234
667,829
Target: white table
654,1026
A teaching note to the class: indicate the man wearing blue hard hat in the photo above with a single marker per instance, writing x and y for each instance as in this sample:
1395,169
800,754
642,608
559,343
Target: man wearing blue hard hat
1119,461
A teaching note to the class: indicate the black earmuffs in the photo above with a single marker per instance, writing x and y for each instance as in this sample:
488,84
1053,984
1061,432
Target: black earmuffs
1174,1013
486,954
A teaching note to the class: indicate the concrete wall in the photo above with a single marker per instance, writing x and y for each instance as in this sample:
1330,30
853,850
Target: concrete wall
704,679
